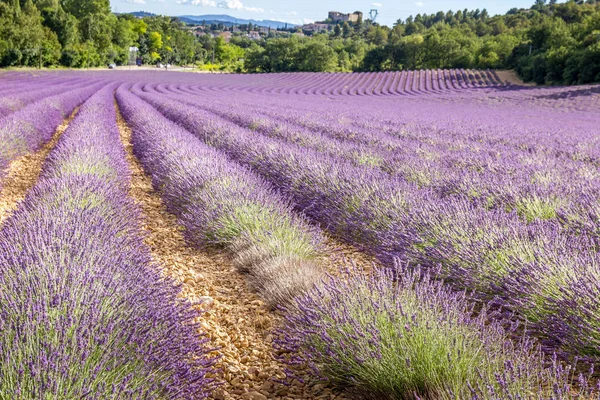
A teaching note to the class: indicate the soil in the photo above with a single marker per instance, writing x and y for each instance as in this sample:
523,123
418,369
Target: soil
510,76
24,172
235,318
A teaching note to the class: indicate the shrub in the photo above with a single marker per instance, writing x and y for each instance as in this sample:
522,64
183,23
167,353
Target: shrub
406,336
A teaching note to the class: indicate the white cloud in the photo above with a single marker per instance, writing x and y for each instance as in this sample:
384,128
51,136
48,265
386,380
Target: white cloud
135,1
292,13
419,4
238,5
297,21
203,3
227,4
376,5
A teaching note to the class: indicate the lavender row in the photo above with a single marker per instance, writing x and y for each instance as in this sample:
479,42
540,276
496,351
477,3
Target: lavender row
536,187
493,177
340,331
513,117
13,84
28,129
535,269
435,119
10,88
84,311
28,93
222,204
401,83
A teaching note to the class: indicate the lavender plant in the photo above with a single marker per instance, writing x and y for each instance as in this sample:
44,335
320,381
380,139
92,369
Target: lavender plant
477,248
28,129
405,336
490,186
26,93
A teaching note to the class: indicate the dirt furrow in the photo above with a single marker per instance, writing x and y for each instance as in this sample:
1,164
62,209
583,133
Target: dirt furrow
25,171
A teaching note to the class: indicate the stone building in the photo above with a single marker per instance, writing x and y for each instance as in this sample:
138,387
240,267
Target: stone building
335,16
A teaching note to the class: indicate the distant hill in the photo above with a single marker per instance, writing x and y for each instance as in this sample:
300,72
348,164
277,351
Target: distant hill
229,20
142,14
226,20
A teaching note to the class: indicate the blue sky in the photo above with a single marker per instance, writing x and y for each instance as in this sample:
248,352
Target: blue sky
310,10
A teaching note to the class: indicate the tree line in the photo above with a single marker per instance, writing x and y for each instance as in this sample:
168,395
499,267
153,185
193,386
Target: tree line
549,42
85,33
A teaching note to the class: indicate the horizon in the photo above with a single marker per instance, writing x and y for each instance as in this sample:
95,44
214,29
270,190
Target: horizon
308,11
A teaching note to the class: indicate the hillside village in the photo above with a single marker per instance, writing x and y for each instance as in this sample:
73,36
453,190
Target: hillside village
257,32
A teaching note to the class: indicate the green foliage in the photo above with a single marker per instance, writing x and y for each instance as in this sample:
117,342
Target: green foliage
409,338
85,33
532,209
550,43
316,56
275,234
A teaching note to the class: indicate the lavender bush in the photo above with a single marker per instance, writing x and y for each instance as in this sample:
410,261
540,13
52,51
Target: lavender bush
477,248
28,129
27,93
491,187
405,336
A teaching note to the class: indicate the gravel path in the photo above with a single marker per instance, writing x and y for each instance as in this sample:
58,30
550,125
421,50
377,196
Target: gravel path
24,172
236,320
511,77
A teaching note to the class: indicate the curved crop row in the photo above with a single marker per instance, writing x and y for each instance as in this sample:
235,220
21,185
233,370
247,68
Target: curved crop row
536,269
28,93
514,116
84,312
28,129
221,203
14,84
401,84
494,176
380,338
502,117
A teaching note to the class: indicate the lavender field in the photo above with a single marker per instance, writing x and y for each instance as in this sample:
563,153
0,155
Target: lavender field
408,235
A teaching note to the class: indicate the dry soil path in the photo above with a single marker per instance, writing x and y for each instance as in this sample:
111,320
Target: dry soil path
510,76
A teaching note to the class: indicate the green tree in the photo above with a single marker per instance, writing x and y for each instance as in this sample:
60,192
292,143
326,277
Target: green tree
337,31
316,56
346,30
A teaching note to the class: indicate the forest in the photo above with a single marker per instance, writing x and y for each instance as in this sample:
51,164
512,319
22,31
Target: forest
85,33
549,43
